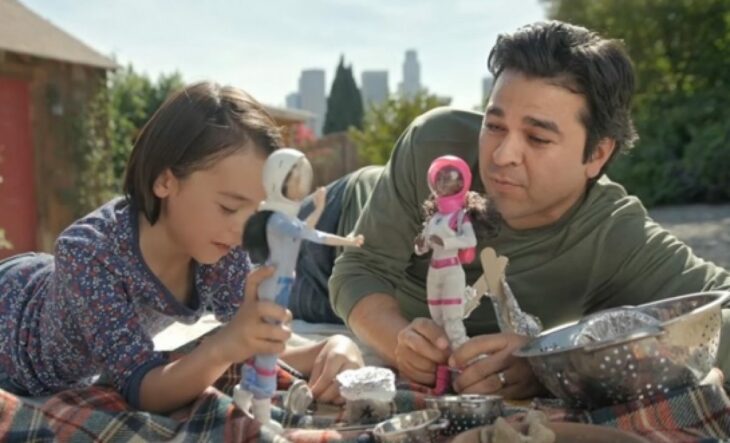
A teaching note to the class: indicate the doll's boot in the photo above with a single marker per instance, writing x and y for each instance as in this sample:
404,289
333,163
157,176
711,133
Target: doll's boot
261,409
242,398
455,330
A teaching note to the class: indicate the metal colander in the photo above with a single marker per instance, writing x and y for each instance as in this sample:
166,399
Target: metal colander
629,353
467,411
425,425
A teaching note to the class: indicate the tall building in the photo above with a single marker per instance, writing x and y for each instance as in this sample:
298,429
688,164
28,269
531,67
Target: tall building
411,84
292,101
487,83
312,97
374,87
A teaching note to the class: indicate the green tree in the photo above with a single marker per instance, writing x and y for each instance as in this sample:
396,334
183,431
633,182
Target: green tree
384,123
94,154
681,52
134,98
344,104
108,128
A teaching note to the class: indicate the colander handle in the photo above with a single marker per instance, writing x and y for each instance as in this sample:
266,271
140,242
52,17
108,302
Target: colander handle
653,331
439,426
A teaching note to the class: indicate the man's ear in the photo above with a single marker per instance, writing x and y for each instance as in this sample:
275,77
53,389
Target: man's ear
164,184
599,157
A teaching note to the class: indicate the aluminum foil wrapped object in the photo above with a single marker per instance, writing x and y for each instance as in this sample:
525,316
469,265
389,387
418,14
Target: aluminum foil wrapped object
510,317
367,383
612,324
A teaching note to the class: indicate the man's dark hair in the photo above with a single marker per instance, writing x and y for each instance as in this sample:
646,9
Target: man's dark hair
582,62
198,125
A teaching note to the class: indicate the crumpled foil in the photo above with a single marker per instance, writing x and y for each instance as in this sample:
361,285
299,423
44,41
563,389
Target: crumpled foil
367,383
612,324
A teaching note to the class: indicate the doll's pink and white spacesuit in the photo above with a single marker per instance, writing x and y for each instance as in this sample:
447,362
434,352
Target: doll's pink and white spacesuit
450,235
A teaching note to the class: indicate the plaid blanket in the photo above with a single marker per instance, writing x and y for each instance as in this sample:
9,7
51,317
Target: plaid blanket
100,414
688,415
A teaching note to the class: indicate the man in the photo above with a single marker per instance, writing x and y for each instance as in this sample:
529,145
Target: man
558,114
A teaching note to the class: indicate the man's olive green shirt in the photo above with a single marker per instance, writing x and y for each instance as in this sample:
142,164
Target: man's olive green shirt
604,252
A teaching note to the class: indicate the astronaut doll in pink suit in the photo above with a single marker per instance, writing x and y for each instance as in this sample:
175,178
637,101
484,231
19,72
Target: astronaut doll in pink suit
449,234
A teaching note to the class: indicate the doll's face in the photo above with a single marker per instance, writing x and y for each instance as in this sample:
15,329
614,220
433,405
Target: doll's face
299,181
448,181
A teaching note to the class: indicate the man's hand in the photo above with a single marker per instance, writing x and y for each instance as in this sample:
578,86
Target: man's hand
338,354
421,346
493,369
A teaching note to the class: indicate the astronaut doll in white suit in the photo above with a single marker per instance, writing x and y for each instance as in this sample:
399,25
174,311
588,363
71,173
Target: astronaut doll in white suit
272,237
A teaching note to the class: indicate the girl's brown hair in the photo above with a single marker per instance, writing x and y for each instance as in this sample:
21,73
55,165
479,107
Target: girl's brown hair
196,126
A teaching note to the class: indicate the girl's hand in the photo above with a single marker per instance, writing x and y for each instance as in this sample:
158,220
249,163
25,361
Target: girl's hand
259,327
337,354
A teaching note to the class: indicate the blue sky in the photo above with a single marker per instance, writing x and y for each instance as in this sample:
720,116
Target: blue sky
262,46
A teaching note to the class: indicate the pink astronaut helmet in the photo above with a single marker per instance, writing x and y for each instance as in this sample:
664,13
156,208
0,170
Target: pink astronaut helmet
454,201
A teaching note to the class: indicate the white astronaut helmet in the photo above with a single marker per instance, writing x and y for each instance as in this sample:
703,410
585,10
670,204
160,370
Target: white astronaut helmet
281,167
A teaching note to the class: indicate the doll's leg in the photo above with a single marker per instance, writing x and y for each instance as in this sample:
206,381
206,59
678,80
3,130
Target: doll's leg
435,287
243,392
265,367
258,383
454,326
453,306
433,296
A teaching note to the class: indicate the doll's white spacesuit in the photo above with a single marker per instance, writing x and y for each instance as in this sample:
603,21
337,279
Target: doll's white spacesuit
287,178
449,234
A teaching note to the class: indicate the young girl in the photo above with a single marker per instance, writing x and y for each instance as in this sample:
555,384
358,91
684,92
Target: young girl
167,251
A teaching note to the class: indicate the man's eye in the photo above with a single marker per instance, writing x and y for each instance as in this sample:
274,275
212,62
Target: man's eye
539,140
227,210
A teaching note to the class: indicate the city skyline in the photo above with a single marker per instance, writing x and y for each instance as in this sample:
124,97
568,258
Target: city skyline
313,97
410,84
374,87
256,47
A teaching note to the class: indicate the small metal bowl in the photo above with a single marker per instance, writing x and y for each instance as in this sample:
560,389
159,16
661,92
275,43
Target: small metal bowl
679,350
413,427
467,411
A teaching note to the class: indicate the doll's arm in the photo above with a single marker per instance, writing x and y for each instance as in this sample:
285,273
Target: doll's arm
319,199
324,238
336,240
421,245
467,238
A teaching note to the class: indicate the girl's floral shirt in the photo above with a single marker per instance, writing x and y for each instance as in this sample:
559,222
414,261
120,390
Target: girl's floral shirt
93,307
